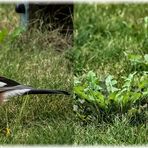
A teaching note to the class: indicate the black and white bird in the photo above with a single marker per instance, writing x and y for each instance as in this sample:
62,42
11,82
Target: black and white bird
10,88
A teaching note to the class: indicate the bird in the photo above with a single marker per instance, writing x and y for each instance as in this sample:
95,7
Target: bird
10,88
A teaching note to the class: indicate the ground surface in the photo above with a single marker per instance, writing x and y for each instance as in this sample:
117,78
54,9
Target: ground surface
102,33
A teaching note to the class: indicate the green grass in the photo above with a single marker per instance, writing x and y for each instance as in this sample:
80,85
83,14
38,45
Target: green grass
119,132
38,59
30,116
45,60
102,34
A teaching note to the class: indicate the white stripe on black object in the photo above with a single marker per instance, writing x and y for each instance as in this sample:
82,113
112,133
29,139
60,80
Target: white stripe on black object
2,84
13,93
10,88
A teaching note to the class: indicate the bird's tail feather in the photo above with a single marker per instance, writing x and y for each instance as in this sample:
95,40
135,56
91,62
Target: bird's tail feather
43,91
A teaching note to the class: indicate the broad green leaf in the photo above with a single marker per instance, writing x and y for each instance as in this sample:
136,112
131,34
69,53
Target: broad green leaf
135,96
100,99
113,97
145,93
110,82
79,90
128,82
146,57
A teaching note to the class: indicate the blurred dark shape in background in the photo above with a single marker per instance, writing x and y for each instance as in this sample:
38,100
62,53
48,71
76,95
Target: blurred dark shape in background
49,16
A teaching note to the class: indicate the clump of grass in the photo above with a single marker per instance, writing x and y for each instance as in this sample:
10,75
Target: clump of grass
44,40
8,20
118,133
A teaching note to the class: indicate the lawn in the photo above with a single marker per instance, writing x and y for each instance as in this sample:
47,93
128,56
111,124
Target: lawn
102,34
37,59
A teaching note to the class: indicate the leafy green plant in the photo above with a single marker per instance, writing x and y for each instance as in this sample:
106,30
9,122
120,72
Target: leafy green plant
108,97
